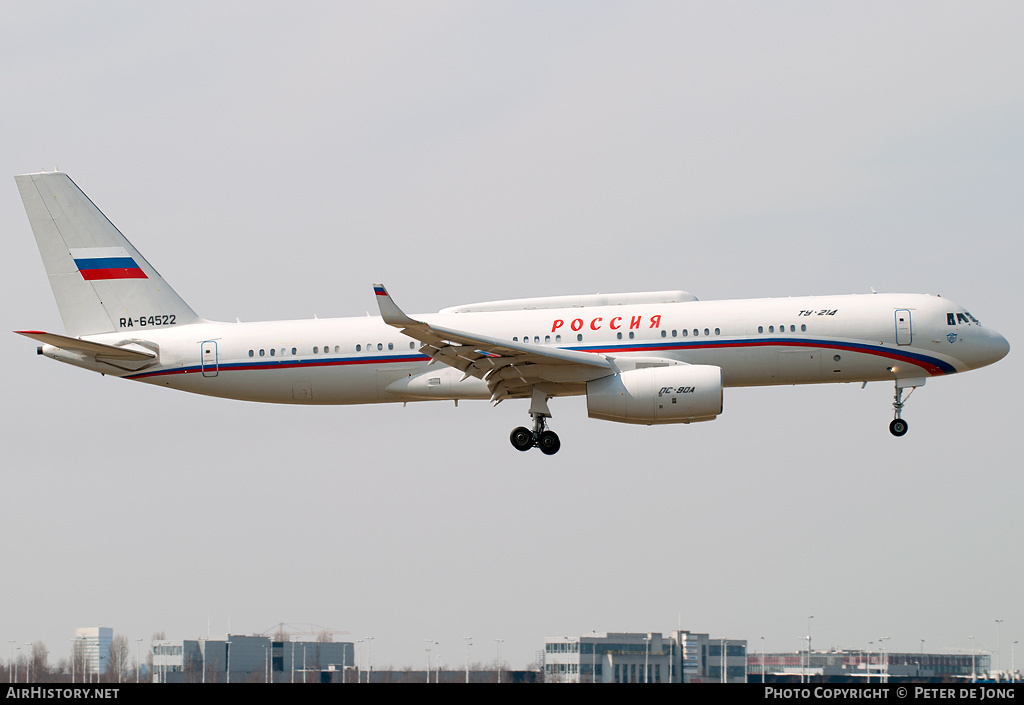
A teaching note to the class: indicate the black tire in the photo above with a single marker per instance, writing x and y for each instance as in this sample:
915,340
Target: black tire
549,443
521,438
898,427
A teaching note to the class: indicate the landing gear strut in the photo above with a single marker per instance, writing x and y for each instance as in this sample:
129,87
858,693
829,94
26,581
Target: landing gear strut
899,427
523,438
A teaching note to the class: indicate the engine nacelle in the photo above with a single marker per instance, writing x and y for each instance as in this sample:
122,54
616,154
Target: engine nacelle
674,394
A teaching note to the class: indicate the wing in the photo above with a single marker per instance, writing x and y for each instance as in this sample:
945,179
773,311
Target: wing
511,369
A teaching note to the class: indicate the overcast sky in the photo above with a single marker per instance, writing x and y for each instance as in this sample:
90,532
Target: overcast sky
274,161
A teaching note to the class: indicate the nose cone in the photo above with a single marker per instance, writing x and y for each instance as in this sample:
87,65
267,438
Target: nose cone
982,347
998,347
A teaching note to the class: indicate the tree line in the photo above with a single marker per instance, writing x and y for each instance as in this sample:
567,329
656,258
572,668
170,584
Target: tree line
33,665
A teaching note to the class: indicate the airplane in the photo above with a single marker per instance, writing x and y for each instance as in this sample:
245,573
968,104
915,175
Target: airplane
660,357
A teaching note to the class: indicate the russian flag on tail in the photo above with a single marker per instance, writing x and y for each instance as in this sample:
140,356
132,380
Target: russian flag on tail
104,263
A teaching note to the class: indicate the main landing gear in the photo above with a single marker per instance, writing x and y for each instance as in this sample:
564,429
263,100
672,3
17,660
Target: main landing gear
523,438
540,437
899,427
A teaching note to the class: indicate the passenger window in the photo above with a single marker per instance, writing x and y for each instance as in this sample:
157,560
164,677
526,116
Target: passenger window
251,353
718,331
558,338
803,327
631,335
293,351
261,353
547,338
673,334
664,334
412,346
619,336
707,332
358,348
695,332
391,346
760,329
771,329
380,346
579,337
686,333
272,352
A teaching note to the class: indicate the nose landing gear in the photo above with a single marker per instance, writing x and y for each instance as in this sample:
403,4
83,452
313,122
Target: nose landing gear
899,427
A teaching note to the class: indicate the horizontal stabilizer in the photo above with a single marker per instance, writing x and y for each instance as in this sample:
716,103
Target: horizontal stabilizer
87,347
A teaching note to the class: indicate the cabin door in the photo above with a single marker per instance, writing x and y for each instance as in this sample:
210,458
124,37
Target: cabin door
904,334
208,350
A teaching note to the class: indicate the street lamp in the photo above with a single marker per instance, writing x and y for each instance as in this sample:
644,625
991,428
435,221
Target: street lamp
998,664
497,663
870,644
805,662
973,668
725,664
468,644
438,645
885,660
647,658
369,663
764,662
428,659
809,646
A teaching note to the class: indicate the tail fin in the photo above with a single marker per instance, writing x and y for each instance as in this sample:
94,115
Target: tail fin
100,281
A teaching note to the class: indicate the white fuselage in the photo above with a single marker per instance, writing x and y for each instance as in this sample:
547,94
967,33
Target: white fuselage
756,342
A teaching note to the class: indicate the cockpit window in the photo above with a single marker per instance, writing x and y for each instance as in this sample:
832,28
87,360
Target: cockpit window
960,317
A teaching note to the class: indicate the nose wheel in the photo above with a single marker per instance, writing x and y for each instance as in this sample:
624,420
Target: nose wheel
524,439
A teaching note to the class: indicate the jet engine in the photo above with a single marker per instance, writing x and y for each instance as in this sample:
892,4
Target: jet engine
655,395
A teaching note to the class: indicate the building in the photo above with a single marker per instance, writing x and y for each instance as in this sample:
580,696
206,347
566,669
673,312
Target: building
95,647
630,657
867,664
313,661
250,659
